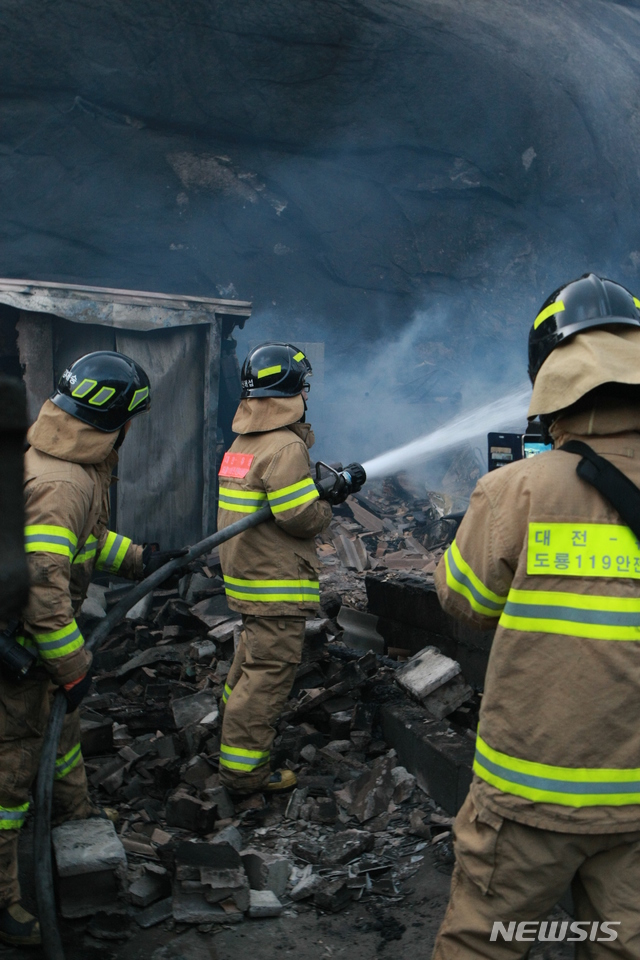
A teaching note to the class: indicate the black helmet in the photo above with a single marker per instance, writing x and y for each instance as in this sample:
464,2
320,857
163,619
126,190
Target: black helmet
274,370
580,305
103,389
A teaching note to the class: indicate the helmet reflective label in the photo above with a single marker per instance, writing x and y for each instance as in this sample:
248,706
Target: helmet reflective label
101,397
268,371
299,356
84,388
548,312
138,397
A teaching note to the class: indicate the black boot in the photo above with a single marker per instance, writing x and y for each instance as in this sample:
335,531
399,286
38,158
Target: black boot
18,927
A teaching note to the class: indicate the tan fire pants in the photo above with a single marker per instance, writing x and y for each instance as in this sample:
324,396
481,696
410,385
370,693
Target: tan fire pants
509,872
257,688
24,711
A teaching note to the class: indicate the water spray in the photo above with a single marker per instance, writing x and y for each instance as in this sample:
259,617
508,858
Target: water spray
465,427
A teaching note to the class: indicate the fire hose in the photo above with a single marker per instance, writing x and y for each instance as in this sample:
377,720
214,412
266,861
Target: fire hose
333,483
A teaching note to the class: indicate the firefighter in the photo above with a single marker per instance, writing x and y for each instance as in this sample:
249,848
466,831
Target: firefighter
545,557
270,571
68,471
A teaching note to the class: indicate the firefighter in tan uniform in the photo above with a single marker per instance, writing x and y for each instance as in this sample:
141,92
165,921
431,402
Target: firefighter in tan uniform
555,798
270,571
68,469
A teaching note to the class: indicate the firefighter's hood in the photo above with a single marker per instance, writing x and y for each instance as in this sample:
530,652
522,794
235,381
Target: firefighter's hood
584,363
257,415
61,435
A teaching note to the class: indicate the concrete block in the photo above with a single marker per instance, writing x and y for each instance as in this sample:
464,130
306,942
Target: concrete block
448,697
333,895
440,759
202,650
148,889
404,784
370,794
226,885
193,708
156,914
230,835
190,907
220,796
306,887
96,736
425,672
266,871
190,813
87,846
215,856
410,615
263,904
84,894
346,845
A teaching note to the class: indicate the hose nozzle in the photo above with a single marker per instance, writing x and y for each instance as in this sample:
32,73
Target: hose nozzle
335,482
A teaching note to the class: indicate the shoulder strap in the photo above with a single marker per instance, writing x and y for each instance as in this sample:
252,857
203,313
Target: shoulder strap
609,481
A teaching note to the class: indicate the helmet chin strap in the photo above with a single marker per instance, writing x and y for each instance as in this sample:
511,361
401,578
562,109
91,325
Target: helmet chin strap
120,438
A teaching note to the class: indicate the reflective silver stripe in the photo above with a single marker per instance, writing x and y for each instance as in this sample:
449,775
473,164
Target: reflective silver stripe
65,764
267,591
60,642
558,786
49,538
110,558
608,618
240,758
257,501
309,487
88,550
465,581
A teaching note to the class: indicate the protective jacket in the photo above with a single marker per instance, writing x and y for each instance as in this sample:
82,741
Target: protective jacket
546,557
68,471
271,570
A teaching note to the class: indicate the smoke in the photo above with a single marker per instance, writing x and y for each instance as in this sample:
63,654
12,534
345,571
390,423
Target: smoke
426,380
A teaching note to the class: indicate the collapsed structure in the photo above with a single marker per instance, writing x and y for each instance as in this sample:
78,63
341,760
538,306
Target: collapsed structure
380,769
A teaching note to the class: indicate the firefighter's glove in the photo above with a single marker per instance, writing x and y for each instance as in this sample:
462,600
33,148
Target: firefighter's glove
153,558
76,691
338,493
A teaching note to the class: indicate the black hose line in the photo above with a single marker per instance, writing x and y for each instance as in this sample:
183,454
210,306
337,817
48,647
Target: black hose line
45,892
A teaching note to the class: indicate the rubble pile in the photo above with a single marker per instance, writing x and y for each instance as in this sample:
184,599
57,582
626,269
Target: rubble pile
358,823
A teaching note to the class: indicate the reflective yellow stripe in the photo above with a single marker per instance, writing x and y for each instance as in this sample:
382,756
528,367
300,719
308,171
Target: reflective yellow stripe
300,356
58,643
241,501
572,614
568,786
101,397
12,818
286,498
66,764
83,388
113,552
582,550
637,302
227,693
46,538
235,758
138,397
462,579
268,371
88,551
548,312
271,591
